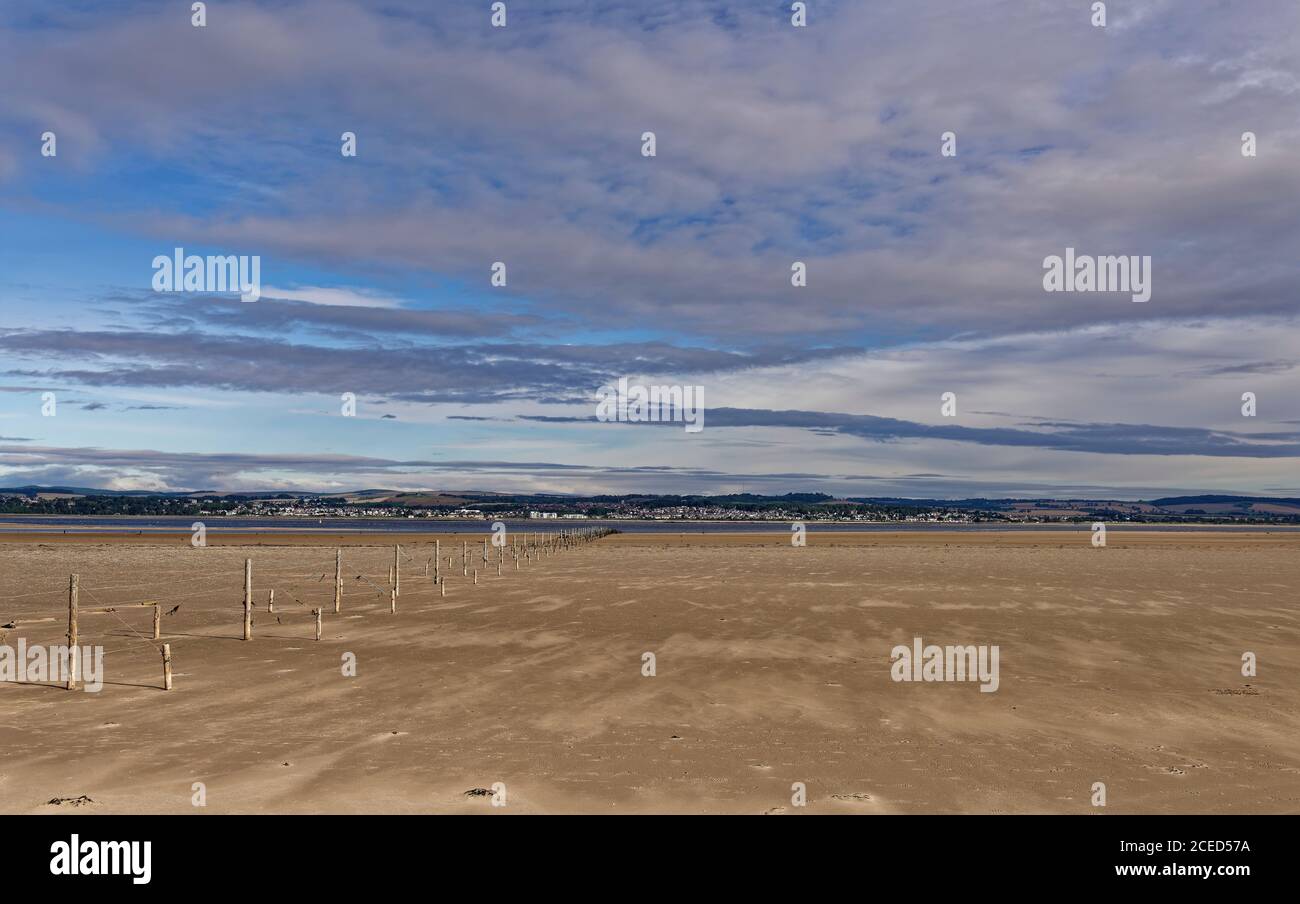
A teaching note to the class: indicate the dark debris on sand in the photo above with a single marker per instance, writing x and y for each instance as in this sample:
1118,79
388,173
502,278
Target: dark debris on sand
75,801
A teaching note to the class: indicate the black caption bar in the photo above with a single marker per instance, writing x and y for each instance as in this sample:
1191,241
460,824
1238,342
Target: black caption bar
136,855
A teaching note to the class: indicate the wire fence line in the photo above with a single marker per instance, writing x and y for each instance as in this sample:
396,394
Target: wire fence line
292,583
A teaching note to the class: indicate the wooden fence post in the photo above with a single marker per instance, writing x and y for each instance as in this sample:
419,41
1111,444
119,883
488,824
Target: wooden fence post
270,601
167,666
316,612
397,569
248,599
157,622
338,580
74,582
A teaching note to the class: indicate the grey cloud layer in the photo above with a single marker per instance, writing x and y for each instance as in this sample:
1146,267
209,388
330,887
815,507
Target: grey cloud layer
1114,439
820,144
467,373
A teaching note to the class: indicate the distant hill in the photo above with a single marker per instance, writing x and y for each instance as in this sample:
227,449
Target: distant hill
1227,505
32,490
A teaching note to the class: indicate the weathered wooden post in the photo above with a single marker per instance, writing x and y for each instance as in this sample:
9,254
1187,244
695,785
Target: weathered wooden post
443,585
397,570
437,561
475,575
74,582
392,600
157,621
248,599
485,558
167,666
316,612
270,601
338,580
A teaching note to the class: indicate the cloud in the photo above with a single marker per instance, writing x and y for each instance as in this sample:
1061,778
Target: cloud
776,144
346,322
1111,439
464,373
333,296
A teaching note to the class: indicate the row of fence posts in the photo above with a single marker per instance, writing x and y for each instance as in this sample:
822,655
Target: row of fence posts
534,545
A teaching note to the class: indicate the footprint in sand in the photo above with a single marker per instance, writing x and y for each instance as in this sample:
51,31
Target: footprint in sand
774,811
858,798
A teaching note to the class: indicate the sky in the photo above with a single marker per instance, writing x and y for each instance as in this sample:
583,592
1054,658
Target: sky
774,144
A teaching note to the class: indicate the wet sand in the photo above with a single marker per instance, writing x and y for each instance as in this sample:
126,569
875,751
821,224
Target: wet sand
1119,665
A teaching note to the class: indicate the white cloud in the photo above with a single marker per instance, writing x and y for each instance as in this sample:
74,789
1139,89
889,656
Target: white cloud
334,296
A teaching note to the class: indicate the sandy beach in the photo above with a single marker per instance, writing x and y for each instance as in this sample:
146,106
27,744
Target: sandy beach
1119,665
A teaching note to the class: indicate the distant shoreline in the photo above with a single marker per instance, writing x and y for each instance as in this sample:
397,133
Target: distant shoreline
122,525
